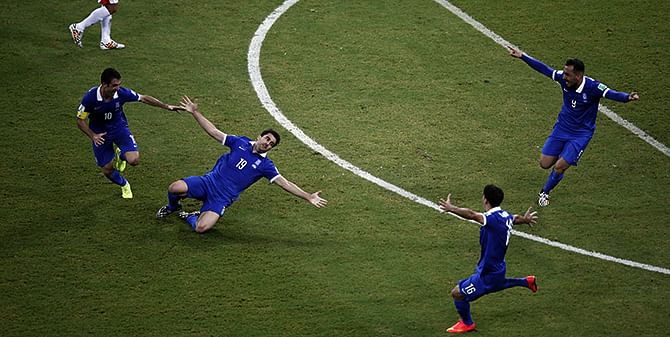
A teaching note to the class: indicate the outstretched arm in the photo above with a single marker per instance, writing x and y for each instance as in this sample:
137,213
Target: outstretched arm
529,218
619,96
292,188
146,99
463,212
192,107
533,63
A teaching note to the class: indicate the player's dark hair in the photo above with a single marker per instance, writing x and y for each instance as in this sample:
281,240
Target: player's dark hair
272,132
576,64
494,195
108,75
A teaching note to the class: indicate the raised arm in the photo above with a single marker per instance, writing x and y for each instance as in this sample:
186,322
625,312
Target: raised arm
192,107
150,100
533,63
292,188
620,96
463,212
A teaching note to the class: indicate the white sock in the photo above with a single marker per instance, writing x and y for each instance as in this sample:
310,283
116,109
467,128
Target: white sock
93,18
106,29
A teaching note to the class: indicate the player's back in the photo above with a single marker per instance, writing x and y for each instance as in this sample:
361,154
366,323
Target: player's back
494,237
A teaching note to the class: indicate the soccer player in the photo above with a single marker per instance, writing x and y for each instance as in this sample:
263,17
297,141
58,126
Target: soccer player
233,173
577,120
103,15
107,127
494,235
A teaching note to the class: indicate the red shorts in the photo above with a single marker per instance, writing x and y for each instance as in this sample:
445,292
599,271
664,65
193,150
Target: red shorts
107,2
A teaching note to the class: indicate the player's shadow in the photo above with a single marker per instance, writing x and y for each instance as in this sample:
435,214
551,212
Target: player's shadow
232,232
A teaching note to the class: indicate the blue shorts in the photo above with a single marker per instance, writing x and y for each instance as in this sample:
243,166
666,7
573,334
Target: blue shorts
477,285
198,188
123,139
570,148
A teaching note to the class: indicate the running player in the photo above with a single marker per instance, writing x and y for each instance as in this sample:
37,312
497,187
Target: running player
577,120
494,235
102,14
107,126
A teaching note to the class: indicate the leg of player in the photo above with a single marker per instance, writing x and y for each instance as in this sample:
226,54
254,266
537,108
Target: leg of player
132,157
176,191
115,176
547,161
77,29
465,323
106,41
555,177
201,223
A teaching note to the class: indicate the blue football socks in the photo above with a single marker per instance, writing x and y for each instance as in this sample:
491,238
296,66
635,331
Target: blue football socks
117,178
553,180
463,308
516,282
173,201
192,220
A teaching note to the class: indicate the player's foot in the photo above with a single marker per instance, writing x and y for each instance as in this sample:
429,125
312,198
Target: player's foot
126,192
77,35
183,215
165,211
111,45
532,283
461,327
543,199
119,164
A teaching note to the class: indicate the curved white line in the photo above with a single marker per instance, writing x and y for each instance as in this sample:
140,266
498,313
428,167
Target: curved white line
254,68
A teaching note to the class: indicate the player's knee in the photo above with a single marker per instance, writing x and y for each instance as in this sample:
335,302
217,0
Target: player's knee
202,228
456,294
134,161
177,187
107,171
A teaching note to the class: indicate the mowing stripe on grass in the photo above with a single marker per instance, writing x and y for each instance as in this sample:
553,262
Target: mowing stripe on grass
253,66
605,110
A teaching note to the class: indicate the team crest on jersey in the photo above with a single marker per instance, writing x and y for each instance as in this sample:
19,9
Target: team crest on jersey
118,105
584,96
256,163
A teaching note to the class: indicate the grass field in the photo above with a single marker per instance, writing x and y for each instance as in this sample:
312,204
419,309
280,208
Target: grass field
403,89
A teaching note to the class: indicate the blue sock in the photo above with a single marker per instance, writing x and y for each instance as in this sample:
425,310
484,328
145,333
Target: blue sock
122,156
515,282
553,180
117,178
173,201
192,220
463,308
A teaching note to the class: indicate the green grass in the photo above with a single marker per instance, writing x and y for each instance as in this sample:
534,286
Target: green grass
402,89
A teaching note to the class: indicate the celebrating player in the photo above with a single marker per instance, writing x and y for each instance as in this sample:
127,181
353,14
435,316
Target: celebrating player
113,143
103,15
577,120
233,173
494,235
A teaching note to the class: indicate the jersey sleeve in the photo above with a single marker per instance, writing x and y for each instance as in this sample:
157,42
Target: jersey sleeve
608,93
128,95
230,140
270,171
541,67
486,217
84,109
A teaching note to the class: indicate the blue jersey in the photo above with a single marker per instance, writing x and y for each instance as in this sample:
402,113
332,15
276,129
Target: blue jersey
494,237
106,116
238,169
580,105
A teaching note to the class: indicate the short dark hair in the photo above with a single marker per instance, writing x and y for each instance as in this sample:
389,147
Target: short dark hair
274,133
576,64
108,75
494,195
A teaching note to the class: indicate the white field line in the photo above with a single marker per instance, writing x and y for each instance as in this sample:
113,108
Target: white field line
254,69
605,110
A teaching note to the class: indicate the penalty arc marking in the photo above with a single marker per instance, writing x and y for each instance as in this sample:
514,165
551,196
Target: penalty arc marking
254,69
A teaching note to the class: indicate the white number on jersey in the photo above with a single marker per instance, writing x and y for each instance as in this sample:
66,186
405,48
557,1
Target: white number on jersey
241,164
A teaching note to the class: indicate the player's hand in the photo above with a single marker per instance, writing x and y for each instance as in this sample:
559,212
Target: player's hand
515,52
530,217
445,205
188,105
99,138
317,201
176,108
634,96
